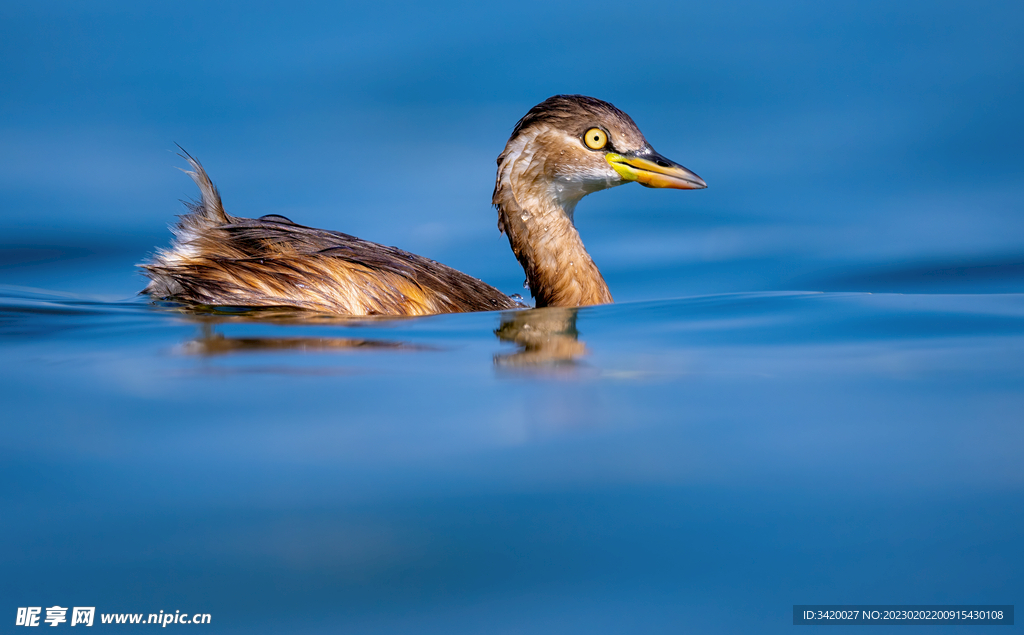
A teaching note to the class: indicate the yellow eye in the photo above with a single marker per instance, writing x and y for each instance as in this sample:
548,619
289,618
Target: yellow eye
595,138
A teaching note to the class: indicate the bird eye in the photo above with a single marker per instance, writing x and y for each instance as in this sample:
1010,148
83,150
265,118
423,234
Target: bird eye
595,138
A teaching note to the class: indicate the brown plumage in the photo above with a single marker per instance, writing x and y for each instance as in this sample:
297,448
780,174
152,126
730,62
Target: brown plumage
563,149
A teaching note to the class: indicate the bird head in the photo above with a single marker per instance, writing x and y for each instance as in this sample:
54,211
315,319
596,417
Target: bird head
569,146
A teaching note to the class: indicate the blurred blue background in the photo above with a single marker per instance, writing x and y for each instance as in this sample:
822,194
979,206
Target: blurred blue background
729,446
863,147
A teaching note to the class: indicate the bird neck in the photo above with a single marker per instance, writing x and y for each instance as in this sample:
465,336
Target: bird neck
539,226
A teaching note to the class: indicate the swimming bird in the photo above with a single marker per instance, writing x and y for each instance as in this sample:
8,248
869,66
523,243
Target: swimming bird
563,149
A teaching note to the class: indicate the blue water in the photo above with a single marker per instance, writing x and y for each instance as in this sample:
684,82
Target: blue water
809,390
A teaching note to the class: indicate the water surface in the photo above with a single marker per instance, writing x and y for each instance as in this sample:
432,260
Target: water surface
692,459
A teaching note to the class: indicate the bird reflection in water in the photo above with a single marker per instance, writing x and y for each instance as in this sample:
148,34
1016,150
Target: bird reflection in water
211,343
547,338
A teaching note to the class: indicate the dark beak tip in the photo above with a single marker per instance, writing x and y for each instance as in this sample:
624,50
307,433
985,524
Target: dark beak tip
698,183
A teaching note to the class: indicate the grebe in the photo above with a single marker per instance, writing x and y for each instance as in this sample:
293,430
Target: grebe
563,149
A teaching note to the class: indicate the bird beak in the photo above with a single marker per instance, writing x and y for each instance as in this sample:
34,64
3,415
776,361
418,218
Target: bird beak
650,169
